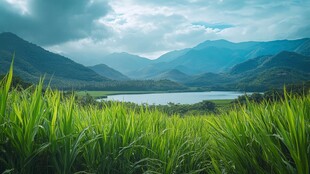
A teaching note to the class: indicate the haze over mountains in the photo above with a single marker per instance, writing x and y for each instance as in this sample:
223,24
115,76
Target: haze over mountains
124,62
33,62
218,64
210,56
106,71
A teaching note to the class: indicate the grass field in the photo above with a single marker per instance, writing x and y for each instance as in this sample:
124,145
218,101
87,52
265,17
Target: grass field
48,133
222,105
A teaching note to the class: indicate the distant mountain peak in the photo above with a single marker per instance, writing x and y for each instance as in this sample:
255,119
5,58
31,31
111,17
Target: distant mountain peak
173,75
11,36
109,72
215,43
175,71
220,40
14,40
125,54
125,62
120,53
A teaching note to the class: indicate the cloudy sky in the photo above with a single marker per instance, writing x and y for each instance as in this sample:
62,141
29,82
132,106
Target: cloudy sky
85,30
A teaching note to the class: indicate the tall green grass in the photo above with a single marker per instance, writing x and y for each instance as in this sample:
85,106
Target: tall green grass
45,132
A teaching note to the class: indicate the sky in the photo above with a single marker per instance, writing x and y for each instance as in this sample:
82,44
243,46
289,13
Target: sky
87,30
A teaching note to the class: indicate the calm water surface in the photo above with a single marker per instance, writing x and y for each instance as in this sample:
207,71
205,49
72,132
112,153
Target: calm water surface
182,98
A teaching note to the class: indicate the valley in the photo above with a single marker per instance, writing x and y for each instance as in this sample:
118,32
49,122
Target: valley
211,65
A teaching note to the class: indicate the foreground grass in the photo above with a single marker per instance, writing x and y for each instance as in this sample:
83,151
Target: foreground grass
47,133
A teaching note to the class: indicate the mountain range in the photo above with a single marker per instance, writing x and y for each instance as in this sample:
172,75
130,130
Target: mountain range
32,62
218,64
217,56
227,65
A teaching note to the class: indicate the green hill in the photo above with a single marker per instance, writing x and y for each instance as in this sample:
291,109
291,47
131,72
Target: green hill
212,80
284,59
106,71
260,73
248,65
32,62
174,75
276,77
274,71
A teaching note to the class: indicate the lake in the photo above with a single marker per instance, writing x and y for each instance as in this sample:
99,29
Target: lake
182,97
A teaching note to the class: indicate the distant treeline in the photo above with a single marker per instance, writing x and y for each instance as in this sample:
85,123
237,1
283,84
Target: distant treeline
17,82
275,94
133,85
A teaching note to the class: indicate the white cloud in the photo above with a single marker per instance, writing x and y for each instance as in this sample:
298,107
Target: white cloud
153,27
20,5
149,28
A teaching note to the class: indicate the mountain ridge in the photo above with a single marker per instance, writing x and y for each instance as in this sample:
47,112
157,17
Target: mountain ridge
173,75
220,56
32,61
109,72
124,62
260,73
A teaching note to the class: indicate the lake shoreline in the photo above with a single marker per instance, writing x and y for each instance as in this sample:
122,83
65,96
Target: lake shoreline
105,94
173,97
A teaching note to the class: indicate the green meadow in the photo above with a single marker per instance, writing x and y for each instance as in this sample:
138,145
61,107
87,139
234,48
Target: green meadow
42,131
